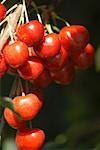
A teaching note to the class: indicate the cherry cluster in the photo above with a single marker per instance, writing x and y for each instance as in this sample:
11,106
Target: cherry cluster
38,55
27,107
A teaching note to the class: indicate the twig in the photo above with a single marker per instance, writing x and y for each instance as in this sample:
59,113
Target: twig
13,21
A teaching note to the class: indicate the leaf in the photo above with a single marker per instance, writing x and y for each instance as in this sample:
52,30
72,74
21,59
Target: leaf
7,102
97,59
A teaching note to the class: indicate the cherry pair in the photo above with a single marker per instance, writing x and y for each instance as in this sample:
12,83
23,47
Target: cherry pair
27,107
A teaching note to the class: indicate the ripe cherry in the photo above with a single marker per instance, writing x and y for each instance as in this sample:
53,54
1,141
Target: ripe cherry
3,64
49,47
43,80
2,11
74,37
58,61
12,119
16,54
27,106
65,75
85,58
31,69
31,33
30,139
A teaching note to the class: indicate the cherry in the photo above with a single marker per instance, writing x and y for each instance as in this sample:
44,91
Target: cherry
49,47
2,11
74,37
43,80
30,139
58,61
31,69
85,58
65,75
31,33
27,106
16,54
12,119
3,64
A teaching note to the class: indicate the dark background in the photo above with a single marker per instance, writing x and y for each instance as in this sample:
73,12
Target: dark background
71,114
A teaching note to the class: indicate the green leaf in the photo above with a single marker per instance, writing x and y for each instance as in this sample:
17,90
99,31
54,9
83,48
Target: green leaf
7,102
97,59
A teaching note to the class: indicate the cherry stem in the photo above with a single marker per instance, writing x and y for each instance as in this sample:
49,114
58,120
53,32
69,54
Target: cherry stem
59,18
3,1
20,86
12,8
48,27
26,14
21,20
13,21
26,87
23,94
1,23
36,8
13,88
56,28
10,30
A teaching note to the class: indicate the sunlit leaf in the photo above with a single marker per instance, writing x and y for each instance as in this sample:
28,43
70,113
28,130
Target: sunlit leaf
97,59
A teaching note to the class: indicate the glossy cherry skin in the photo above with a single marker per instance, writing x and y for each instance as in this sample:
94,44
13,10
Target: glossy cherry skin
84,59
58,61
31,69
3,64
13,120
16,54
2,11
74,37
64,76
44,80
27,106
30,139
49,47
31,33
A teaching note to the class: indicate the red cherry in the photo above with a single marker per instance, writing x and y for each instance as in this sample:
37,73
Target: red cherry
43,80
75,37
27,106
2,11
49,47
31,33
3,64
31,69
85,58
30,139
16,54
65,75
12,119
58,61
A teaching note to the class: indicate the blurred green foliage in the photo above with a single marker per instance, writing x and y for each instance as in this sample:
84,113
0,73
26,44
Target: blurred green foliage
71,114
